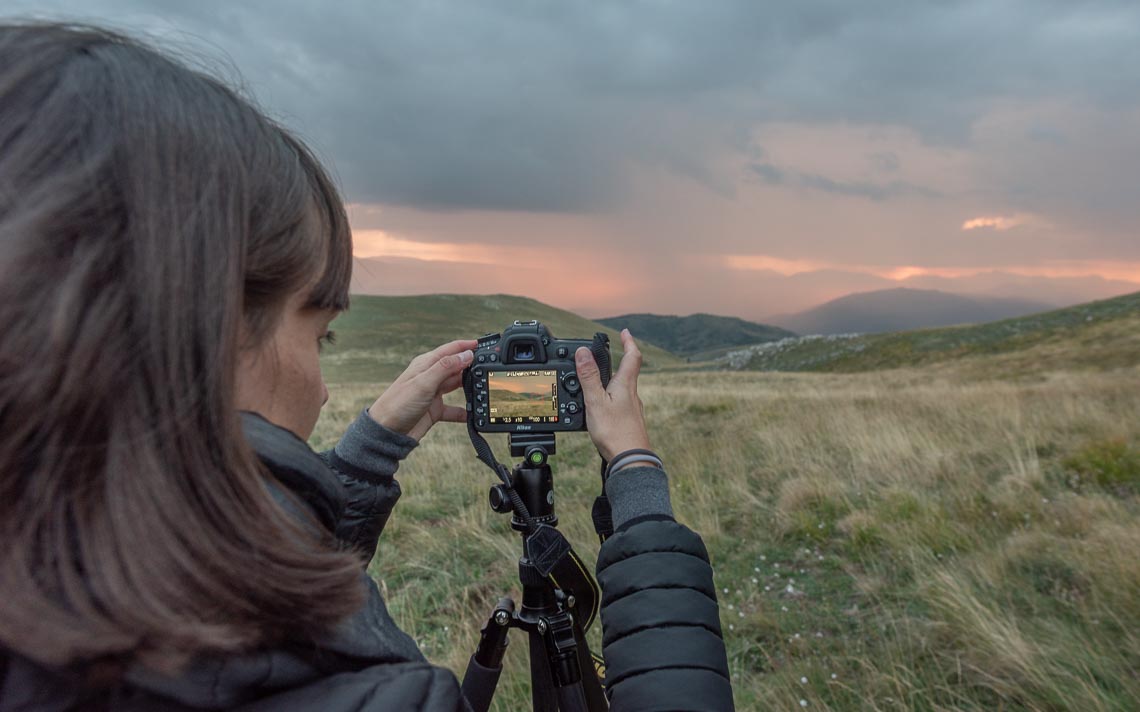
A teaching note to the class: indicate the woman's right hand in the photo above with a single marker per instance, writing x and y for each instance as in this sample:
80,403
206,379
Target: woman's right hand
615,416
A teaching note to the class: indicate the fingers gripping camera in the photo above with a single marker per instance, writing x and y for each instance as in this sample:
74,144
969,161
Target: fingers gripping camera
525,381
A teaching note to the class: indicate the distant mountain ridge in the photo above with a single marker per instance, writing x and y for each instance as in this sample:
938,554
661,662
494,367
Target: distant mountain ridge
687,335
1097,335
904,309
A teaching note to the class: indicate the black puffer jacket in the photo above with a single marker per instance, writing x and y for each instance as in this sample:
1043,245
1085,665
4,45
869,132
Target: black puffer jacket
662,639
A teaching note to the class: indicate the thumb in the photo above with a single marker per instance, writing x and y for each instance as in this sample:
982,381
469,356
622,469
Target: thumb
588,376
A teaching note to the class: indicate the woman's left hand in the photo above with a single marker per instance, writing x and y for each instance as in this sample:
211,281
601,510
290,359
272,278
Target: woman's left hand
414,401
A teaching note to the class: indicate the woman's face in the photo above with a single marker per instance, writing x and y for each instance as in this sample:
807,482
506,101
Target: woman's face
281,378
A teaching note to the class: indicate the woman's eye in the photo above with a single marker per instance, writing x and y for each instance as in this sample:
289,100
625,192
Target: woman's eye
329,338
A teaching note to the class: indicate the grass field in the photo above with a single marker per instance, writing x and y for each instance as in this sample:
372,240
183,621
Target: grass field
959,536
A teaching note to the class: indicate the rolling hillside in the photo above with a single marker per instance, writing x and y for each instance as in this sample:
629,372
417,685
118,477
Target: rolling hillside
378,335
1104,334
936,538
904,309
689,335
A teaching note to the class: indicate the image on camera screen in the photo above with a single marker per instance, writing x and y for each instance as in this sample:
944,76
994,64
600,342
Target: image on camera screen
522,396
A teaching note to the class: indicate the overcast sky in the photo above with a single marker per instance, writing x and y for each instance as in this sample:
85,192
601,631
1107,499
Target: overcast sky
745,158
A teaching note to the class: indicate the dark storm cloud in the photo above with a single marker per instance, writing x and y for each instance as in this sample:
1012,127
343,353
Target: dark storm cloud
878,192
545,106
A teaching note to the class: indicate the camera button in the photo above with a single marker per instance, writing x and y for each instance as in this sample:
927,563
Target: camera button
572,408
480,422
563,352
571,384
566,420
482,358
493,357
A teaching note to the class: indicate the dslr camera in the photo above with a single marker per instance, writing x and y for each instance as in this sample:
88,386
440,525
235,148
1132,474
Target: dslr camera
524,381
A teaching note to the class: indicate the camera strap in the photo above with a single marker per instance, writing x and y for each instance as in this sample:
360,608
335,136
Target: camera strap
601,513
487,456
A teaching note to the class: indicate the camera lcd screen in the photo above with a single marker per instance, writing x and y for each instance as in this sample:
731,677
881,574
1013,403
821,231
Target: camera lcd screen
522,396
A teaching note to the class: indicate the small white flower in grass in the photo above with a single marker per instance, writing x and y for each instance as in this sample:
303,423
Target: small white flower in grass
767,588
730,606
819,526
776,565
803,703
726,590
797,636
784,609
754,580
818,634
803,680
740,613
756,569
763,558
790,589
821,558
731,627
834,676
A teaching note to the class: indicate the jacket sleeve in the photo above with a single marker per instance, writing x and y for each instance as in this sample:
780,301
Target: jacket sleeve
365,461
661,634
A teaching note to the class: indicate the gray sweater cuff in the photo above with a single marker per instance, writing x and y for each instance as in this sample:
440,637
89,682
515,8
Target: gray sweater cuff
638,492
370,451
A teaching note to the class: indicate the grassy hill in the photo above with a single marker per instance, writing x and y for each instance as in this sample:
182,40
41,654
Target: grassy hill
377,337
697,333
1104,334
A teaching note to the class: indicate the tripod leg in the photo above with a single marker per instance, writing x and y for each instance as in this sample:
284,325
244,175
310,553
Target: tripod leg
542,693
485,666
591,686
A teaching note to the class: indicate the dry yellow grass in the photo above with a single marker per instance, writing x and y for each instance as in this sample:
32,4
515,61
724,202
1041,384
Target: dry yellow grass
912,540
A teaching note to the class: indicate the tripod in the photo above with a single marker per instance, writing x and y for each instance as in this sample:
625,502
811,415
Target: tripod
560,598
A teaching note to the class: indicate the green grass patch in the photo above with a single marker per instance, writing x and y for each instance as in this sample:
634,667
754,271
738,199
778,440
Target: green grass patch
1112,464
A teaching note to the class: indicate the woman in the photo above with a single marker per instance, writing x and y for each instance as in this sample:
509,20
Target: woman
171,260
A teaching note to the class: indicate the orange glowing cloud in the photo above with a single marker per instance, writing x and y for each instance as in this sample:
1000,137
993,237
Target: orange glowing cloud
1110,270
767,263
378,243
399,265
996,222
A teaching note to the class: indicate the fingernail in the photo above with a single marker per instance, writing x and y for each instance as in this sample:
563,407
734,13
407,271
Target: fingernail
466,356
582,355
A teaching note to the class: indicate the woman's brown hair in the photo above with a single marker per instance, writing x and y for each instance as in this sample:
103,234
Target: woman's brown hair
149,217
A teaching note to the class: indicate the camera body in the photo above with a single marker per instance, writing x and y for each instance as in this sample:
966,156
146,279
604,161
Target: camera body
525,381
